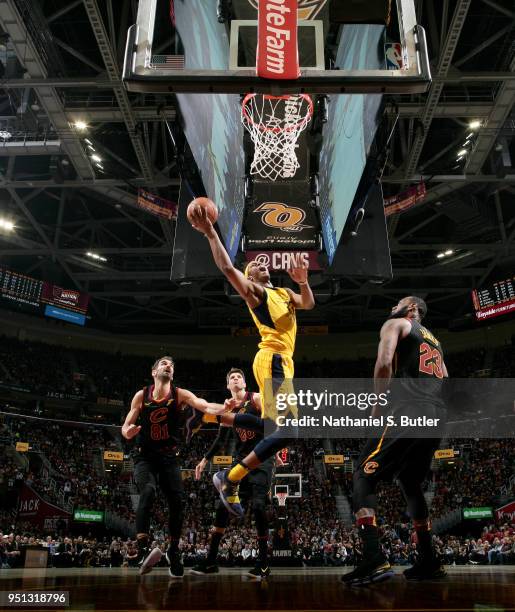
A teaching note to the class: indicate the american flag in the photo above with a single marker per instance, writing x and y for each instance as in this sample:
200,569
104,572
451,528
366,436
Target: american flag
168,62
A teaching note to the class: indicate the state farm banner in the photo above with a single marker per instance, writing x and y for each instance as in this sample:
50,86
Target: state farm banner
285,260
506,513
277,50
33,508
281,219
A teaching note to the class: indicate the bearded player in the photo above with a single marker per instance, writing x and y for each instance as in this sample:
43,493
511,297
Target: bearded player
273,311
158,421
410,354
255,488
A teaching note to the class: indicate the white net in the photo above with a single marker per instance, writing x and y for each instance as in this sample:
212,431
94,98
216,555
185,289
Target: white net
275,124
281,498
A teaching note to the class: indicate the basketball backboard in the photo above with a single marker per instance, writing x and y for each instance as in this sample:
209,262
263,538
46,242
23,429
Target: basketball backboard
290,484
183,46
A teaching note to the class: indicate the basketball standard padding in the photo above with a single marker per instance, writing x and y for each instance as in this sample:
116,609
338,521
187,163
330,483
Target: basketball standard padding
209,205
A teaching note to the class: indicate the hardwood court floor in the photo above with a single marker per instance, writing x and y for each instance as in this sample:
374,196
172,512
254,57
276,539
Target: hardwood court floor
466,588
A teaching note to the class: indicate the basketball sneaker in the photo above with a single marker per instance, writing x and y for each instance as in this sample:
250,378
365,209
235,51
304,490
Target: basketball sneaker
375,569
430,569
204,568
228,493
259,572
148,562
174,560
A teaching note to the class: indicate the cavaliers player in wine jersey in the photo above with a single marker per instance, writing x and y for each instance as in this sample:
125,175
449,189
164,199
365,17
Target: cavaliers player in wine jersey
255,489
157,422
410,354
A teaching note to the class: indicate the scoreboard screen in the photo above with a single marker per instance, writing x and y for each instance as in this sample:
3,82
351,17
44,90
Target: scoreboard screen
494,300
20,288
51,300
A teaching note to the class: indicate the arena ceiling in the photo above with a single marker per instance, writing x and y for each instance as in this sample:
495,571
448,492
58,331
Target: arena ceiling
61,62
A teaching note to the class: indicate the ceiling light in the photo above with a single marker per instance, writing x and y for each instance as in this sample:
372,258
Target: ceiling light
81,125
475,125
462,152
96,256
440,255
6,225
96,158
470,135
92,148
88,141
99,166
448,252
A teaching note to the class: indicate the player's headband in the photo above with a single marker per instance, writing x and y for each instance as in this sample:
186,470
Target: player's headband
247,268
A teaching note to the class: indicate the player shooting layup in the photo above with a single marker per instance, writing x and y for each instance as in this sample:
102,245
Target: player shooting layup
273,311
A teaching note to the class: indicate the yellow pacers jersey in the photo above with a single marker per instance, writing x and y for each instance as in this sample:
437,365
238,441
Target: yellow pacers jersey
276,321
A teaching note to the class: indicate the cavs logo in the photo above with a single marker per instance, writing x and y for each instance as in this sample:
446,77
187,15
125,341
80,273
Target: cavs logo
308,9
370,467
282,217
156,416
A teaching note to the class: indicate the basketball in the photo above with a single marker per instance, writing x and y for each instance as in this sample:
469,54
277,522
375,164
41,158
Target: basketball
209,205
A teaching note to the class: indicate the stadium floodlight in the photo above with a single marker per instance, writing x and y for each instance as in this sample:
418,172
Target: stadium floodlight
95,256
6,225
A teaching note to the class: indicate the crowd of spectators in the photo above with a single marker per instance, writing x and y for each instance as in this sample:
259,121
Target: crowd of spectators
335,547
90,374
70,470
68,455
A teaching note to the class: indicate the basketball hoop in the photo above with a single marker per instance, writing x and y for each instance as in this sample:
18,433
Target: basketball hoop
281,498
274,124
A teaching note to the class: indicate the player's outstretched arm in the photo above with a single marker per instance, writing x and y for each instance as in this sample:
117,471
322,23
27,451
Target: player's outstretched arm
305,299
187,397
391,332
129,428
249,291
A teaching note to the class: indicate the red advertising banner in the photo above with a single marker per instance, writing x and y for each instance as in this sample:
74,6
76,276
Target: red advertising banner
32,507
506,513
495,299
285,260
496,310
406,199
158,206
71,299
277,50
